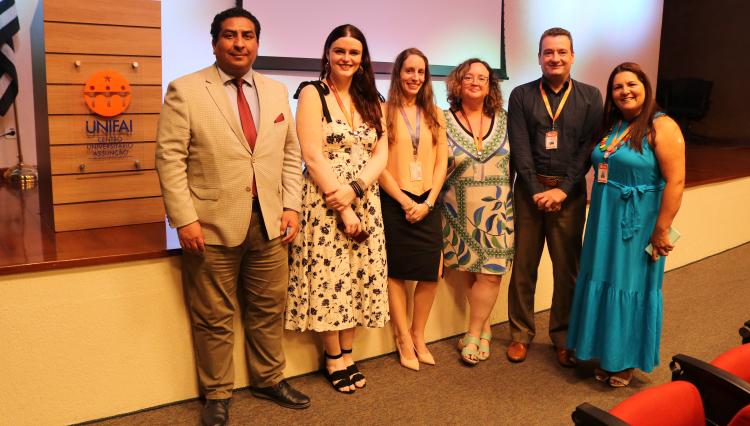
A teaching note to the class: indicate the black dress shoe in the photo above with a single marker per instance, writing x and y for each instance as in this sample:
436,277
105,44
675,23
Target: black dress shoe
215,412
283,394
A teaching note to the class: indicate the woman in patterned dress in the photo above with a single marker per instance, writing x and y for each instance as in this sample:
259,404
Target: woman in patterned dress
477,206
337,277
410,186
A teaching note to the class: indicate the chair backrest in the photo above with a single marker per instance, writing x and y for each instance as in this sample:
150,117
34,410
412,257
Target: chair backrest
735,361
742,418
675,403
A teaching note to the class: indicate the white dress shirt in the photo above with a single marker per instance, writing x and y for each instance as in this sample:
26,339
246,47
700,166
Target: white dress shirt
251,94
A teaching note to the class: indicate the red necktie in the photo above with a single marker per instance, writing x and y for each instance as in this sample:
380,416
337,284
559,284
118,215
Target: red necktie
246,119
246,116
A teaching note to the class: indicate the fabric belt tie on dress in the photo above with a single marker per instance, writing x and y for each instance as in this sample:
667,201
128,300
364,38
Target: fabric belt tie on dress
631,219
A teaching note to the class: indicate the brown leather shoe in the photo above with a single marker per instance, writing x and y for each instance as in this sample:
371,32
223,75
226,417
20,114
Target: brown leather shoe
517,351
565,357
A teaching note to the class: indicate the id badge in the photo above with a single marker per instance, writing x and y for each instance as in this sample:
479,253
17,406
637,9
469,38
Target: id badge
550,139
356,154
478,171
415,171
602,172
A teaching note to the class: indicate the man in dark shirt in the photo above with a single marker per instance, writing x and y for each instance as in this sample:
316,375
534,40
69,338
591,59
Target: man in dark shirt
552,125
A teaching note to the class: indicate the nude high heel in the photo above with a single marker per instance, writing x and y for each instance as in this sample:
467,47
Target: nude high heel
411,364
425,358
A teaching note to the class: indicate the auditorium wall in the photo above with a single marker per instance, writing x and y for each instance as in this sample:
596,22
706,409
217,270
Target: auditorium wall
710,40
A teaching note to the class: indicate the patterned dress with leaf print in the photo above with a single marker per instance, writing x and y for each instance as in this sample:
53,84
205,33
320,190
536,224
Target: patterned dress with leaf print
477,204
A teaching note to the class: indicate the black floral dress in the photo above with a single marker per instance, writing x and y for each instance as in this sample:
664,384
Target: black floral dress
336,283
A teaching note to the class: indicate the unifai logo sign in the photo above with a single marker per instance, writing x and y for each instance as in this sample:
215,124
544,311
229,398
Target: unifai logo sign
108,94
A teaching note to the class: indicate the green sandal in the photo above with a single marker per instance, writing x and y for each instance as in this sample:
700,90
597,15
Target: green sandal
467,353
486,335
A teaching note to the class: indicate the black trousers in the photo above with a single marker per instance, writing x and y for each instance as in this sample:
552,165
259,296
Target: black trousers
563,232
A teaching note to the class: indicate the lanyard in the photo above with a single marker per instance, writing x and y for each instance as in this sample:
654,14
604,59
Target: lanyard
477,138
346,113
559,107
414,136
617,141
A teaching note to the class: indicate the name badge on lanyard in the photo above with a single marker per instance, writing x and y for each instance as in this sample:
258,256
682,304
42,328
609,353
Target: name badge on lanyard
415,170
478,167
415,166
550,137
602,173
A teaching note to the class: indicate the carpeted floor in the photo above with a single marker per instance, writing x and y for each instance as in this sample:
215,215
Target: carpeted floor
704,305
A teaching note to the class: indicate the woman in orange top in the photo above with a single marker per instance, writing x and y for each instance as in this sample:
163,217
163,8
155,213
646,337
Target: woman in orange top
411,183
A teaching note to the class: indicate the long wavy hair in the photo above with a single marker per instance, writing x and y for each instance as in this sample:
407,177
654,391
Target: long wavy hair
365,95
642,125
425,96
494,99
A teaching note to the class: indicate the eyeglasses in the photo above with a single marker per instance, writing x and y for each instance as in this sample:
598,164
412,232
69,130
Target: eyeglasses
480,79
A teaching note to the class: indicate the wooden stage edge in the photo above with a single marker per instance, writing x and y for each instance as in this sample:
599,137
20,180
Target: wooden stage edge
29,245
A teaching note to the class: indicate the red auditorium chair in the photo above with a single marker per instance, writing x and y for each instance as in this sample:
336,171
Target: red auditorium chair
723,384
735,361
675,403
671,404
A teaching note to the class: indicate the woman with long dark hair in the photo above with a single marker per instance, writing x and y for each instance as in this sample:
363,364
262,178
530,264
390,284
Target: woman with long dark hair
338,266
411,183
640,175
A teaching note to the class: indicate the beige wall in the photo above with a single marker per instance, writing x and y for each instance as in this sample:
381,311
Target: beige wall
709,40
99,341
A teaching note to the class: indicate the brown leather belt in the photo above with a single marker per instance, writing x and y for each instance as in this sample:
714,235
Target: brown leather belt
549,181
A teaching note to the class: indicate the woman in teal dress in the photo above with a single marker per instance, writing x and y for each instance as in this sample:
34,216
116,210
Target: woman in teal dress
639,170
477,206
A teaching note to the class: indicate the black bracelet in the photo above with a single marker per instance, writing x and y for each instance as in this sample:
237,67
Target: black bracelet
358,191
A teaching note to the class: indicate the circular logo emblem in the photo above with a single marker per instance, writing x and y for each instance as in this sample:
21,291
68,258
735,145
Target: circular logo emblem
107,93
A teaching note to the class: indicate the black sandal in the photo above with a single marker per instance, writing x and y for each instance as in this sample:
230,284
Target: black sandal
354,374
339,379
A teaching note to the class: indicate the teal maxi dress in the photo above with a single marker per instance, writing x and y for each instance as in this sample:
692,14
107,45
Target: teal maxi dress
617,308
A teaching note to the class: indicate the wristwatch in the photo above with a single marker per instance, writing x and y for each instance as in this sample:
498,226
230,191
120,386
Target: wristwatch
430,206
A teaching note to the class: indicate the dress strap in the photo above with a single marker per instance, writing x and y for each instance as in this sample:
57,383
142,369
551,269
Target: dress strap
323,90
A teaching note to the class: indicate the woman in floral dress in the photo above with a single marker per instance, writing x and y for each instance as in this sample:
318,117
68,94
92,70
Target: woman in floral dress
338,271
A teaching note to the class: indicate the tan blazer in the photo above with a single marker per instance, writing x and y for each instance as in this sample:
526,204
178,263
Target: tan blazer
205,164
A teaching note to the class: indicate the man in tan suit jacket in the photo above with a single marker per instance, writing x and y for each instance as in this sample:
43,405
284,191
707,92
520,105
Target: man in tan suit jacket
230,169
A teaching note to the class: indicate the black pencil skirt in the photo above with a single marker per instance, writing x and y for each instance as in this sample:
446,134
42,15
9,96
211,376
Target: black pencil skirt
413,249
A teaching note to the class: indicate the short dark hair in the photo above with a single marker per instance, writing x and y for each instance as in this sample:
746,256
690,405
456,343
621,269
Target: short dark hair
556,32
235,12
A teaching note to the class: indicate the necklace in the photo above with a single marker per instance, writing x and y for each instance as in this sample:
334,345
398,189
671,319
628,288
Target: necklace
478,143
347,115
617,141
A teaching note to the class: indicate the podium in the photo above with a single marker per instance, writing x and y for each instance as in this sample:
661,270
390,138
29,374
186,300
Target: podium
97,89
